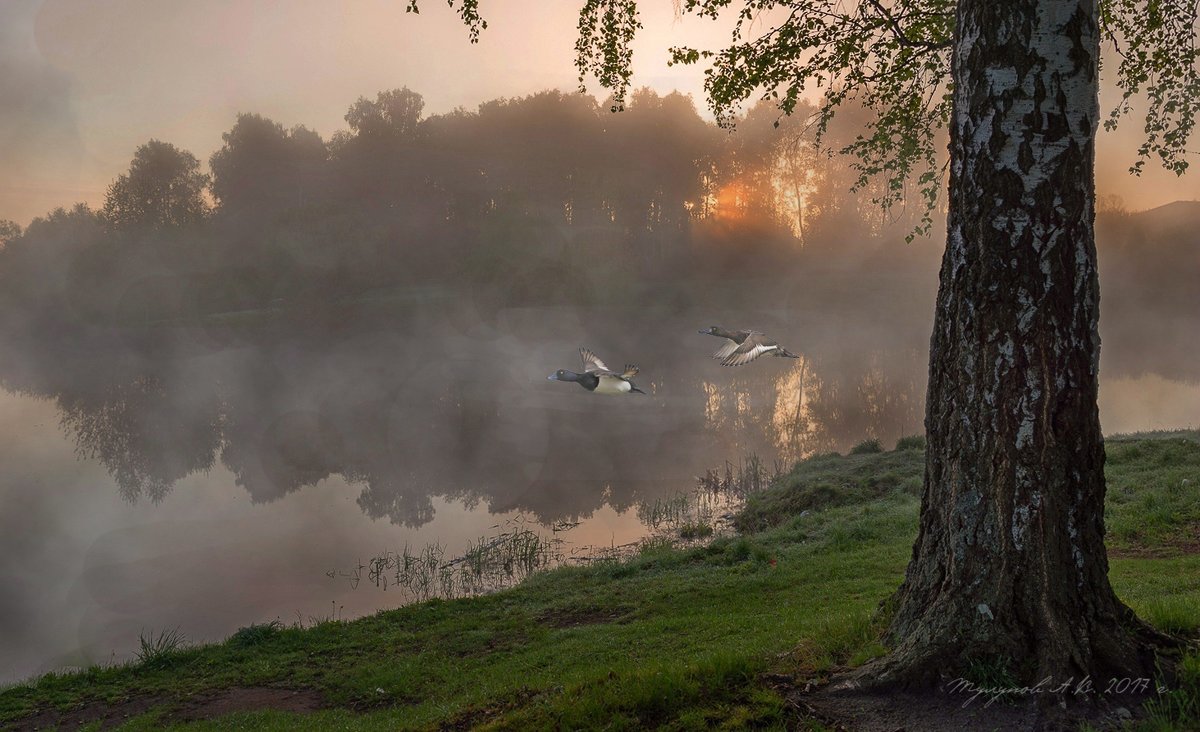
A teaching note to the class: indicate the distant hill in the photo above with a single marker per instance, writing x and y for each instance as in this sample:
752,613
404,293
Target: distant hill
1179,222
1178,216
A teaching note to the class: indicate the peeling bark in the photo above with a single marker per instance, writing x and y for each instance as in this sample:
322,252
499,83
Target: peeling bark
1010,561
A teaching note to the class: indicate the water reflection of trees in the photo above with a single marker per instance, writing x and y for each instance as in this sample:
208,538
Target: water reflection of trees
148,436
823,404
406,429
469,416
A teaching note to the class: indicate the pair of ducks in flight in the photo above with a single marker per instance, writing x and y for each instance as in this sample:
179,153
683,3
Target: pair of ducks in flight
743,346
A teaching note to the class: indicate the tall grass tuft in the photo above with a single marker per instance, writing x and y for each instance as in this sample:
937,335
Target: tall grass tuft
255,634
911,442
159,651
748,477
1177,708
488,564
1175,614
867,447
840,640
991,672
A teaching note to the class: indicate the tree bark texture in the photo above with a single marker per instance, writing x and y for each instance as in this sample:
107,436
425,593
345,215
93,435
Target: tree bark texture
1009,566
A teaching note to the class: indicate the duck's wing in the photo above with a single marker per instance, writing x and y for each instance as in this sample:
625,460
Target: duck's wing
726,350
630,371
755,345
735,339
592,364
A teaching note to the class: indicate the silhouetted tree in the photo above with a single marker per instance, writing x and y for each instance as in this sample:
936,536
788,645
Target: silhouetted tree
659,150
38,267
393,113
379,167
163,188
263,169
9,230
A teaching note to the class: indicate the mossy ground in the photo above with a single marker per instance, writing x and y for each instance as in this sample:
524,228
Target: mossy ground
698,638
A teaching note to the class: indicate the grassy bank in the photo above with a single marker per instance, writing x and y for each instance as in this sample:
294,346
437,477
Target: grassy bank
688,639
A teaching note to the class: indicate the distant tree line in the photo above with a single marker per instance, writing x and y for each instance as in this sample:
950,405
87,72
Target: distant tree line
548,196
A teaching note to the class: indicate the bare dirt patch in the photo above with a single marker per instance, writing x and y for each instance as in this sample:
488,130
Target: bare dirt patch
572,617
1185,541
249,699
206,706
472,718
107,715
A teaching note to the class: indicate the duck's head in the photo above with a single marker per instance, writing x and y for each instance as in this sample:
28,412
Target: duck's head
711,330
563,375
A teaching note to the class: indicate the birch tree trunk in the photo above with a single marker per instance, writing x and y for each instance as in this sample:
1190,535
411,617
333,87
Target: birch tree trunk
1009,562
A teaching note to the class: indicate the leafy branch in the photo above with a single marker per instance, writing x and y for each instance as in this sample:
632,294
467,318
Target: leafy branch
468,12
1158,56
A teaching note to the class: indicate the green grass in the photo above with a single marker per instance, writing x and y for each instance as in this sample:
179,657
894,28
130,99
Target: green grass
680,631
1153,502
672,638
830,480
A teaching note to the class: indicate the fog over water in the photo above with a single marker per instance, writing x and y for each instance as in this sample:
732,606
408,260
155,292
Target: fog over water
217,482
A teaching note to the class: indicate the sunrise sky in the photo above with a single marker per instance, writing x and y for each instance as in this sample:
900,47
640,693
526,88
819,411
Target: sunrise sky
84,82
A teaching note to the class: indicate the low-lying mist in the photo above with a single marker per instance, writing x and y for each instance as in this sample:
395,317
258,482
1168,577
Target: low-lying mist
385,305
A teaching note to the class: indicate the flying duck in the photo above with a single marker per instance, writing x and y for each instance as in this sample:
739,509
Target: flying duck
744,346
599,378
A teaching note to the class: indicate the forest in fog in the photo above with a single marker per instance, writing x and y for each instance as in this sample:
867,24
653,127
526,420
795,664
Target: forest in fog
546,198
552,198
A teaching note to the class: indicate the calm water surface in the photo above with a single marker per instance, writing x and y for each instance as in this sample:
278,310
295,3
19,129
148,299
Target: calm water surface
225,479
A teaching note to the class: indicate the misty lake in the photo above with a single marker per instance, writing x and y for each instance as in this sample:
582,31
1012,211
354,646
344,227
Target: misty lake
218,475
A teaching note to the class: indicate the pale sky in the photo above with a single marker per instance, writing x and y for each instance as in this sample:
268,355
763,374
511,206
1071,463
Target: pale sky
84,82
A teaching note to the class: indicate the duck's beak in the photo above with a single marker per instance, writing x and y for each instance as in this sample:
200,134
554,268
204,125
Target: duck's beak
703,332
552,377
